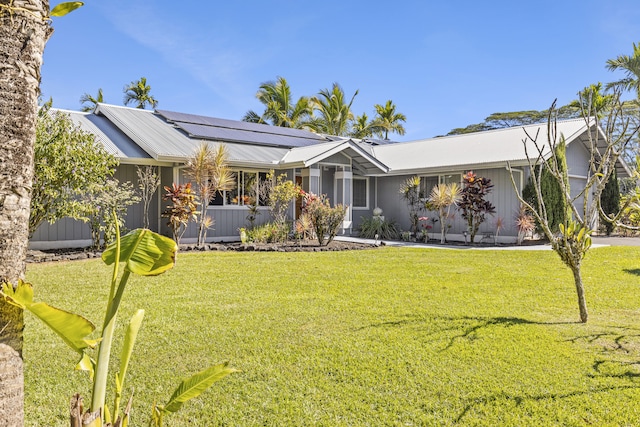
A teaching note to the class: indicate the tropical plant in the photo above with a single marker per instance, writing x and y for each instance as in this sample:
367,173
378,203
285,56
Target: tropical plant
325,219
108,207
89,103
270,232
410,192
441,199
183,208
473,202
388,120
209,169
303,227
573,240
280,193
68,162
279,109
148,183
362,127
334,115
141,252
139,93
525,223
630,65
378,228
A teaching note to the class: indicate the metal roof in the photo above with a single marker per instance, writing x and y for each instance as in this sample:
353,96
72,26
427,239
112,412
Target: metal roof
106,133
135,134
496,147
241,132
361,157
164,142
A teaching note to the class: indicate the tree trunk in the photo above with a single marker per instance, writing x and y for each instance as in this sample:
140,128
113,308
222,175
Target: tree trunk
23,33
582,302
11,387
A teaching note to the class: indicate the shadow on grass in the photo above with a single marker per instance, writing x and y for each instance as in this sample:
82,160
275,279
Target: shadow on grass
520,399
634,271
483,323
615,339
465,332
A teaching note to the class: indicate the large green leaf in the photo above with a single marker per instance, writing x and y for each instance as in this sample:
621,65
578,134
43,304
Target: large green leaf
66,7
72,328
144,252
194,386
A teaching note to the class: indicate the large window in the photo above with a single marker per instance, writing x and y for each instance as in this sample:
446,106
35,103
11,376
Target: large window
360,193
245,191
428,182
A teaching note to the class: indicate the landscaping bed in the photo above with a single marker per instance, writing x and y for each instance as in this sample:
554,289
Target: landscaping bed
72,254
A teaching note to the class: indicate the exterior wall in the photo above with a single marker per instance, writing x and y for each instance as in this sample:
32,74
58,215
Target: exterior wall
229,219
68,232
502,196
358,213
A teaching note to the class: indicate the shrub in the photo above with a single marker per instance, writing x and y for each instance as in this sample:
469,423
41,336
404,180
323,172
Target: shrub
183,208
473,204
610,201
325,219
272,232
387,230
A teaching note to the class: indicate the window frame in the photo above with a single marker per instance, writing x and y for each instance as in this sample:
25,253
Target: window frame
240,177
366,194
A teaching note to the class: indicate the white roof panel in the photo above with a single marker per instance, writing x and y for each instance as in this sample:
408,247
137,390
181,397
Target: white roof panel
489,147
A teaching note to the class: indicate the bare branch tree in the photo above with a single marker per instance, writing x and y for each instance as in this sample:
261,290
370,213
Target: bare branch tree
605,145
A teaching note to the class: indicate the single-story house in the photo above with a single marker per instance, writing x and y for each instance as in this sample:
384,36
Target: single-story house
361,174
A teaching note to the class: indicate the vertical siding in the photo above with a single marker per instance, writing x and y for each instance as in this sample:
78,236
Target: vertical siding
133,218
503,198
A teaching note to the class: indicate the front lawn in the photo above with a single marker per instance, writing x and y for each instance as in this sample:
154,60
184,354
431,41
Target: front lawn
392,336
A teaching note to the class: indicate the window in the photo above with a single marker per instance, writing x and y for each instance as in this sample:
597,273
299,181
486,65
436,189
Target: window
246,189
428,182
426,185
360,193
448,179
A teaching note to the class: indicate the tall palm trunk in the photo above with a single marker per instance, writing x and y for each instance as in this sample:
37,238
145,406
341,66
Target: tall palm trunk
23,33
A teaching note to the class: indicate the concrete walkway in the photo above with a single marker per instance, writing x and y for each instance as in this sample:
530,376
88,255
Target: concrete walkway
598,241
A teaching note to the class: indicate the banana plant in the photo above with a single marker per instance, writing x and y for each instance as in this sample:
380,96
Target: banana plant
141,252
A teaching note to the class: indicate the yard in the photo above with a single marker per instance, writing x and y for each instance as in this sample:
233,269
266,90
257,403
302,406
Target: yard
392,336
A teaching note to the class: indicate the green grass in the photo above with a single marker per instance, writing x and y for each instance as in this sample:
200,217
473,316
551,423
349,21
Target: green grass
405,337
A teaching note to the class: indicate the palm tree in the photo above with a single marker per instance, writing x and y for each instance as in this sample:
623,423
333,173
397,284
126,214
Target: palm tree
89,103
335,116
23,34
593,100
279,110
387,120
138,92
362,127
631,67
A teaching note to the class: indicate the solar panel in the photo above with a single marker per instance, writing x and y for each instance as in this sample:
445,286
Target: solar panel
244,136
182,118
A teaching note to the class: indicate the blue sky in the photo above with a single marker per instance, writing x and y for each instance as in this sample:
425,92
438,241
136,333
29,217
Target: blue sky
445,64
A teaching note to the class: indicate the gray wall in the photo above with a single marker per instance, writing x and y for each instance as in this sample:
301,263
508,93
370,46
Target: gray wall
68,232
503,198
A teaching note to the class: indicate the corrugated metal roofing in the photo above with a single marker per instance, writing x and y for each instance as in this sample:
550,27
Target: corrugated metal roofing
242,132
490,147
107,134
164,142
